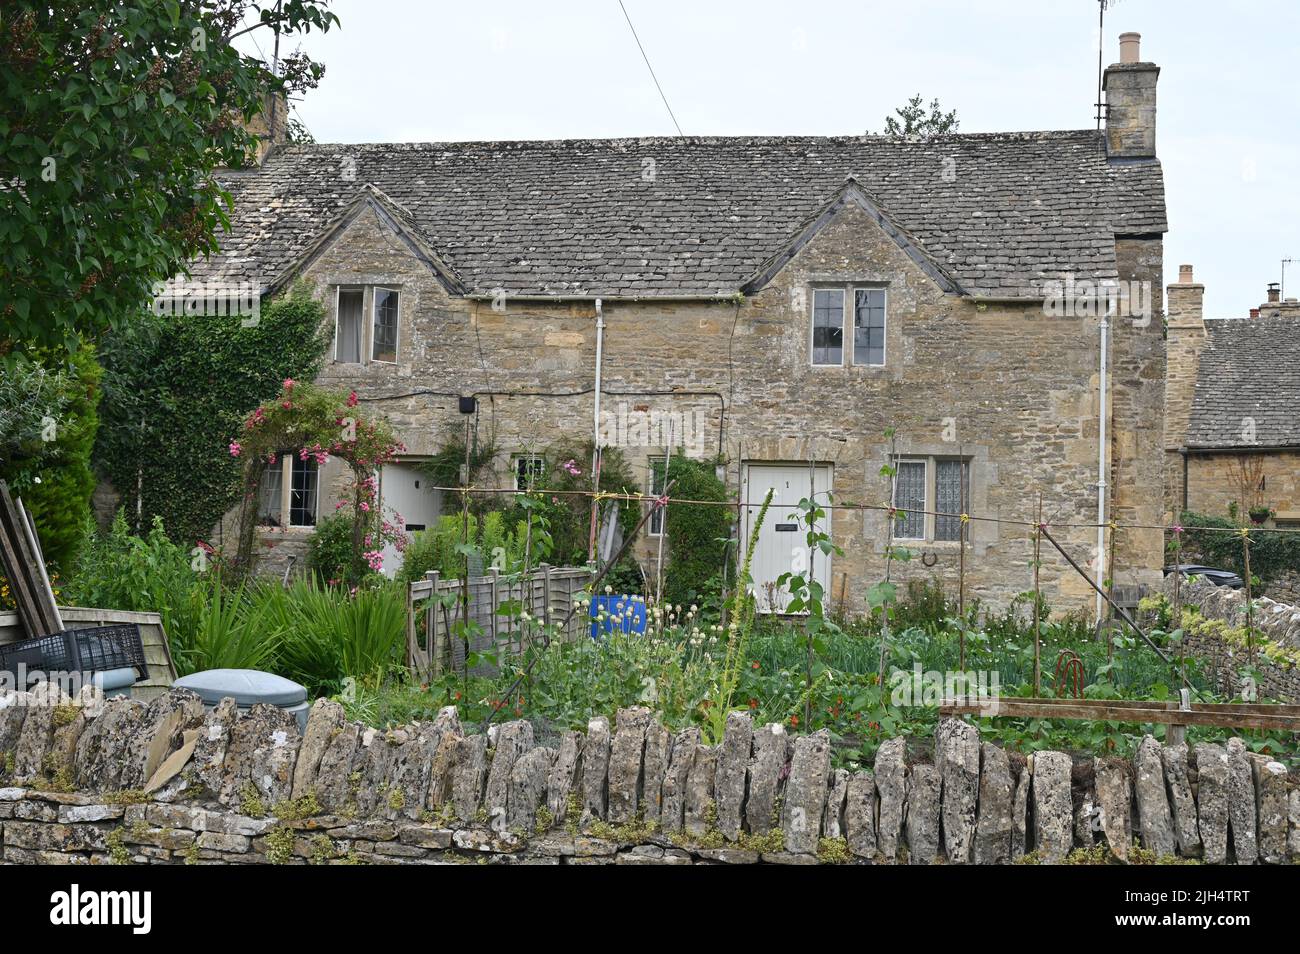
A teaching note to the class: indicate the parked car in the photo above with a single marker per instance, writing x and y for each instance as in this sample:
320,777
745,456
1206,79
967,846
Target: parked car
1217,577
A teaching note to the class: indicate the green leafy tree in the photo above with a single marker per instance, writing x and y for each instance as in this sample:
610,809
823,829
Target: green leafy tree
912,121
114,118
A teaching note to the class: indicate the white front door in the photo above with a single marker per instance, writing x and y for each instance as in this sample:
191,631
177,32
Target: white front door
782,540
404,488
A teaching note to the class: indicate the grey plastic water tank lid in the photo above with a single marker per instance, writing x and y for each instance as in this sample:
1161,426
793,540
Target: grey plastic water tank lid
246,686
111,679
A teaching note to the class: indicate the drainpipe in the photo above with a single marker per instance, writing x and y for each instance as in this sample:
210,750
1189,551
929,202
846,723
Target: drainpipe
600,350
595,432
1101,458
1183,451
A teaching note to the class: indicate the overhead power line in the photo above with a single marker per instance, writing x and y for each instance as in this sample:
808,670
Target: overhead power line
650,68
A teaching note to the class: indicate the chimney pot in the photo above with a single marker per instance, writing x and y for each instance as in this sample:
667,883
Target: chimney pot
1254,313
1130,46
1185,275
1130,89
1274,292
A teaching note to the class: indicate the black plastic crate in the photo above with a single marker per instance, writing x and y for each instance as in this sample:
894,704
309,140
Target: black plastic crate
98,649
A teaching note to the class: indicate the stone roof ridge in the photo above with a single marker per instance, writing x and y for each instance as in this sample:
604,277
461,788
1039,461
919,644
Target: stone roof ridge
1043,135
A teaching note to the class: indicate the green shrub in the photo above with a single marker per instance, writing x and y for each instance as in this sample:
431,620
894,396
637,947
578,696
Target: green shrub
697,535
435,549
329,551
55,479
498,542
1271,553
117,570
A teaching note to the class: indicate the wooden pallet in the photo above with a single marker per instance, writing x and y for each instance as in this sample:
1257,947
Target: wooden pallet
24,567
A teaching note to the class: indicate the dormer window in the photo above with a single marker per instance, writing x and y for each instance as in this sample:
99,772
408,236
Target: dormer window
368,324
866,305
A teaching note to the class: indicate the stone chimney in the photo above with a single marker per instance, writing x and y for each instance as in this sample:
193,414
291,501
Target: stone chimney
1186,337
1130,87
1277,306
270,126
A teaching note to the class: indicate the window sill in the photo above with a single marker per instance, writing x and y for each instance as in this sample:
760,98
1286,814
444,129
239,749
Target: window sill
286,531
848,367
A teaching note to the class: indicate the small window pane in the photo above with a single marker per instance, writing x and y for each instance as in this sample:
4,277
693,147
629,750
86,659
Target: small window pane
348,346
302,493
952,496
828,326
528,471
268,495
657,465
385,348
869,326
909,500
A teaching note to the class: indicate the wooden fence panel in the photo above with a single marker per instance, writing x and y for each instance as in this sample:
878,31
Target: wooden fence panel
434,605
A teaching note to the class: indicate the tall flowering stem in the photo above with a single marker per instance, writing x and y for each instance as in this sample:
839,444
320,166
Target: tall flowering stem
741,619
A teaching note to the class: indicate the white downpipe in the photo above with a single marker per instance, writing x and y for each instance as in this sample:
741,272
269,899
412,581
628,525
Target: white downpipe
600,351
1101,457
592,547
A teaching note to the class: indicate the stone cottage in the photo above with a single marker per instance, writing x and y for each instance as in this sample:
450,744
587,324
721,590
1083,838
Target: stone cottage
775,304
1232,414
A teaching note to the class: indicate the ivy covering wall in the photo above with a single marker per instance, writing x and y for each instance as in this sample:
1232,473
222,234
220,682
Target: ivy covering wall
177,388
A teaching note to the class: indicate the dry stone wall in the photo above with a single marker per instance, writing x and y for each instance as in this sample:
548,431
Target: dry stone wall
1275,668
171,782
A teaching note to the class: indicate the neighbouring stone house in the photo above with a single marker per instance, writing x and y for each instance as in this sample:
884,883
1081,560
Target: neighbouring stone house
1232,415
783,300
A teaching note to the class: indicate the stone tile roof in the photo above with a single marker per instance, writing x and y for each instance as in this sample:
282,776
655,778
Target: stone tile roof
1249,369
698,217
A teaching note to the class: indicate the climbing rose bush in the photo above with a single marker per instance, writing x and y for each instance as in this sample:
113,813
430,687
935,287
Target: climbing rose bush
318,423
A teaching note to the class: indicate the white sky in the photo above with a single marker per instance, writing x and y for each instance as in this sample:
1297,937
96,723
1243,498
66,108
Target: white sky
1227,131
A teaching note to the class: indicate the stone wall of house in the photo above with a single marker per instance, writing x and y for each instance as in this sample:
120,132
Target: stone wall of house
1185,331
1006,385
1224,660
171,782
1137,463
1214,481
